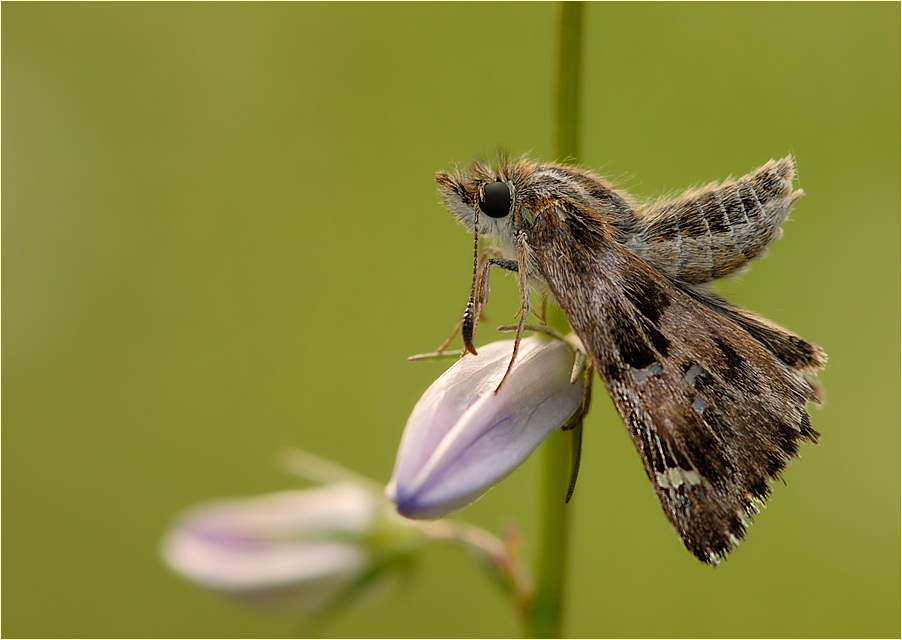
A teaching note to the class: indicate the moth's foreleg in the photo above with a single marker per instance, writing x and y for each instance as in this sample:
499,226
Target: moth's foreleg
523,313
479,294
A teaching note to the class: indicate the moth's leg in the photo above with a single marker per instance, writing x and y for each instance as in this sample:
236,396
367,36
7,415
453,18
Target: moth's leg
543,308
523,279
575,424
483,281
576,454
444,345
480,293
549,331
484,258
585,401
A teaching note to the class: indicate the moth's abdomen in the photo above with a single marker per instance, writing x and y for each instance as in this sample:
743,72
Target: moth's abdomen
713,232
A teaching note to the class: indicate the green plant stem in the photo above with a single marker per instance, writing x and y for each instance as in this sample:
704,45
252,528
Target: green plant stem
567,87
544,619
545,615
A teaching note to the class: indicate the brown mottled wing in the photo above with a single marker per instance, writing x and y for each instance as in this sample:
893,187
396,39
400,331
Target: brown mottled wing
714,412
712,232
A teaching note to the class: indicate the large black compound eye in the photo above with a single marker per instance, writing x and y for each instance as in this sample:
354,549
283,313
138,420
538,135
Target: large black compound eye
496,199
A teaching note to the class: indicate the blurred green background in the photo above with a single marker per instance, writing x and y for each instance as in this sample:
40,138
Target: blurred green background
221,237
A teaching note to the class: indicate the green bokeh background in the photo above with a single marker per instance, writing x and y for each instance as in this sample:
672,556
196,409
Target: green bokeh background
221,237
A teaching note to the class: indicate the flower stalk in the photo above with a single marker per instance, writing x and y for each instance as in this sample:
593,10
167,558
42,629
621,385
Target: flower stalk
544,618
499,559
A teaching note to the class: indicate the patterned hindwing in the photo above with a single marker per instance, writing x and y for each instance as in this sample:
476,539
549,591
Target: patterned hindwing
713,232
713,413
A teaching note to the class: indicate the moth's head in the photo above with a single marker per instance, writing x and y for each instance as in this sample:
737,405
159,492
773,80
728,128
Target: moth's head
492,191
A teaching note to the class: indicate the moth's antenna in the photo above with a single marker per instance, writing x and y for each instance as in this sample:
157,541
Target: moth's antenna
468,323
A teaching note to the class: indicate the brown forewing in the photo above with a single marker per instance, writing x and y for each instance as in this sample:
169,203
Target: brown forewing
714,410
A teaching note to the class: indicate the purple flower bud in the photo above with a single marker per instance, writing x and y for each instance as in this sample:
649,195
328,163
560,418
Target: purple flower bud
462,438
299,547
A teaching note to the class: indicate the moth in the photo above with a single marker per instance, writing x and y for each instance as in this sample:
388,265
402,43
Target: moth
713,396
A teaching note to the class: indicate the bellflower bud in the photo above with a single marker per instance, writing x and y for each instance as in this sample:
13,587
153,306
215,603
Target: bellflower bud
462,438
304,547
